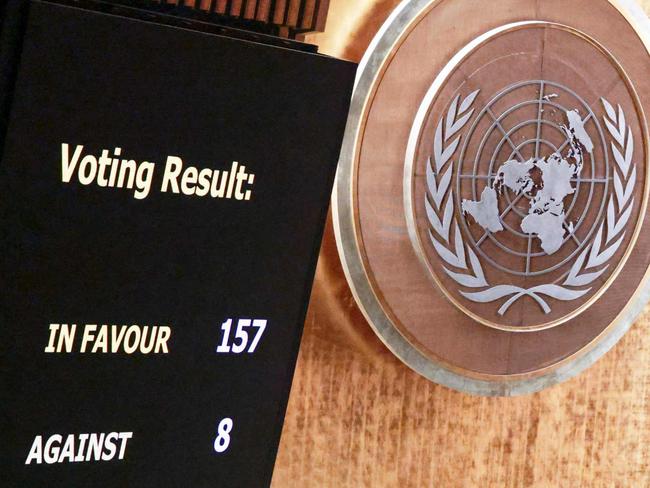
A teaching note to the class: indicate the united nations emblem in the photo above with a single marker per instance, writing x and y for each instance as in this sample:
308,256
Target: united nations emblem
529,197
523,162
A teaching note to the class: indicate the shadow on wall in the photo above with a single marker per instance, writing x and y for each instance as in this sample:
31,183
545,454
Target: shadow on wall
333,314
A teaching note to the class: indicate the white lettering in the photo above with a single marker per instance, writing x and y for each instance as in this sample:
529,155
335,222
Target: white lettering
111,171
101,447
67,166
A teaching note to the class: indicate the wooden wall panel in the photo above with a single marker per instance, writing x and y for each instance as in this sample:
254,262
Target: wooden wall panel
286,18
357,417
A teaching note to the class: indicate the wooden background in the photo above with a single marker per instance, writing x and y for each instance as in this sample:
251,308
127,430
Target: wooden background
357,417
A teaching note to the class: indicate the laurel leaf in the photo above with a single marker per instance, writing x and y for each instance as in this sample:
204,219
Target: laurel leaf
623,195
620,225
595,248
614,132
606,255
618,190
468,101
611,219
629,149
431,179
445,253
437,193
623,164
466,280
460,123
621,122
447,154
449,213
558,292
494,293
629,189
460,248
435,221
437,147
451,117
585,279
609,109
534,296
443,186
575,269
476,267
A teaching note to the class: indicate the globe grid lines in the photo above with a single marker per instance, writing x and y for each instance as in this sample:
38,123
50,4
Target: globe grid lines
538,140
507,137
540,102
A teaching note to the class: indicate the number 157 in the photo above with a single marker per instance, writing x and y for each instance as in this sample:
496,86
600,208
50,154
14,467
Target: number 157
240,341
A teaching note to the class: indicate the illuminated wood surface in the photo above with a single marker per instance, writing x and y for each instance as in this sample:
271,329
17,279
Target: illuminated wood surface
289,17
357,417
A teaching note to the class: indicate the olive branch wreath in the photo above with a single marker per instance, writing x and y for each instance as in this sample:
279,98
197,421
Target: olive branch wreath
590,264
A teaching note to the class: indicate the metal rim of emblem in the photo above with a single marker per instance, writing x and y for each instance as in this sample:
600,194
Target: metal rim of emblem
350,242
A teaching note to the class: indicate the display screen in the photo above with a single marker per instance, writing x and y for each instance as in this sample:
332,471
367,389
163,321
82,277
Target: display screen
162,196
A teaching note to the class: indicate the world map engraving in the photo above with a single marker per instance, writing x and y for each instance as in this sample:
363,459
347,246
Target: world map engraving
546,181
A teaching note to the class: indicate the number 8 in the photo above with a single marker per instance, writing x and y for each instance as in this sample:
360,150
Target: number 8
222,441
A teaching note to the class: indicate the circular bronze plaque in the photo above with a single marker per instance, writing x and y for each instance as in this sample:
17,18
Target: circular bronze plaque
492,194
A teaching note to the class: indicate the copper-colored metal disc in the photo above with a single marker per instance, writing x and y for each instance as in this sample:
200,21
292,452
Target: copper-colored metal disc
487,282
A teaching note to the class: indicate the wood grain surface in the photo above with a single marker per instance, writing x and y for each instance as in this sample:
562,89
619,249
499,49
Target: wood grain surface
357,417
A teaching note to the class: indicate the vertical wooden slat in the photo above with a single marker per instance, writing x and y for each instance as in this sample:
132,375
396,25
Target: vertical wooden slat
308,11
293,12
263,10
249,9
280,12
221,7
286,18
321,15
235,7
206,5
